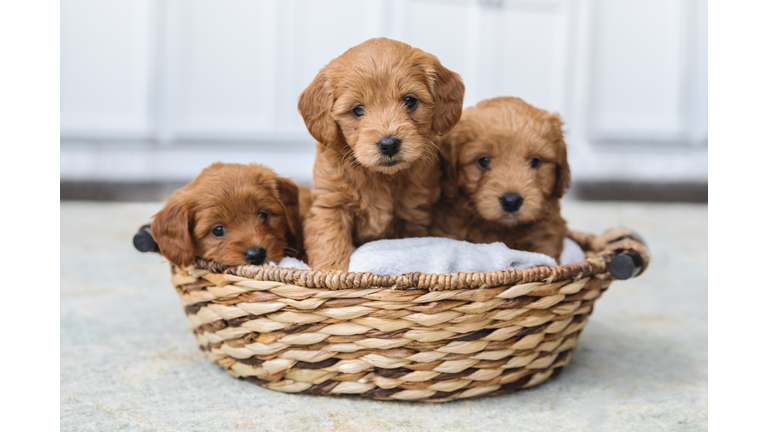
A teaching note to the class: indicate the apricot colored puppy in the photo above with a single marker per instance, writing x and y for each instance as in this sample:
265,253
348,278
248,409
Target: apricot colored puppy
375,112
505,170
235,215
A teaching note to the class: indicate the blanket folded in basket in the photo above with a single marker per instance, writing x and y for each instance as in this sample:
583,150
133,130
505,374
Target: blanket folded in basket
442,255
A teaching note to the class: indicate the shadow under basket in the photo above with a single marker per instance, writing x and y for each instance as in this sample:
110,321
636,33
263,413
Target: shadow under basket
423,337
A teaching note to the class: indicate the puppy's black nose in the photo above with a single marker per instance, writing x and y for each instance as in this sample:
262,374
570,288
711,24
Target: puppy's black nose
256,255
389,145
511,202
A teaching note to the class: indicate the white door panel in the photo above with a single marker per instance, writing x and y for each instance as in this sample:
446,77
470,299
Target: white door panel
227,64
638,69
530,56
105,69
698,75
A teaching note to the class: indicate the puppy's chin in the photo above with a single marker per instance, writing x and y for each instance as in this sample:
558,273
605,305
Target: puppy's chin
493,213
407,159
503,218
389,166
374,161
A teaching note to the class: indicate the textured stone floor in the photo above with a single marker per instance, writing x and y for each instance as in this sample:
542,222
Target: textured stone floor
128,362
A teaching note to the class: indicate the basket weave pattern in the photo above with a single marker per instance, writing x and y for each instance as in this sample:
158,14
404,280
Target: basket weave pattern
420,337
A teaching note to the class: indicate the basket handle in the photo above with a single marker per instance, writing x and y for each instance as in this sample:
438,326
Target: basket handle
626,265
626,250
143,241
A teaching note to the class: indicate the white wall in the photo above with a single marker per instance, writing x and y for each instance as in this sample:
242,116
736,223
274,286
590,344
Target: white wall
157,90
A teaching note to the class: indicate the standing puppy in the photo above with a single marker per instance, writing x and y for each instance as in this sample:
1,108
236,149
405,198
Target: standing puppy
505,170
375,112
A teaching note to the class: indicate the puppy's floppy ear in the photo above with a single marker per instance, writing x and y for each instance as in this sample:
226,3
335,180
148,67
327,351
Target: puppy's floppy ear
563,172
288,196
315,104
447,88
171,229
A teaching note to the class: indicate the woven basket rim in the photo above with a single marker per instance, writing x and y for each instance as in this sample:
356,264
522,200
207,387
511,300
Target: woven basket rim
601,248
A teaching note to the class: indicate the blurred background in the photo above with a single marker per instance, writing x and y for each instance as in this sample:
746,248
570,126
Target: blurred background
153,91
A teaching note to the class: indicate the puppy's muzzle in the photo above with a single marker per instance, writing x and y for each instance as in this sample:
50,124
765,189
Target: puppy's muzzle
256,255
389,146
511,202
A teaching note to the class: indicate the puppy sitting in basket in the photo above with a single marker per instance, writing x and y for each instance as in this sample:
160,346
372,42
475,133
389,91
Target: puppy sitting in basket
505,168
235,215
375,112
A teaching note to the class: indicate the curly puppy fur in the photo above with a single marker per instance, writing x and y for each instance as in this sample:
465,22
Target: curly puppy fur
255,207
526,155
381,89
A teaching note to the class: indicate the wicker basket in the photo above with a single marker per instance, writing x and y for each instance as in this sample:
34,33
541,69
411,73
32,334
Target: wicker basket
424,337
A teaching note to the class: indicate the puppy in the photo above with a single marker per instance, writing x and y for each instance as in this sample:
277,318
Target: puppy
233,214
505,168
375,112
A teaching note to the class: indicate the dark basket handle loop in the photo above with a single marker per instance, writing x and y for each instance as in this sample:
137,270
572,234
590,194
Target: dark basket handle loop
143,241
626,265
625,252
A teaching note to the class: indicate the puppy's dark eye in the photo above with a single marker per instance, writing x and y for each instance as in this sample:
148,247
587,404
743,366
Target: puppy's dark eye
535,162
410,102
358,111
263,215
484,162
218,231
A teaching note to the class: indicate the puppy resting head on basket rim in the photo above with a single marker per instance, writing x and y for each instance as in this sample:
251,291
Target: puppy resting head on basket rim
375,112
505,170
233,214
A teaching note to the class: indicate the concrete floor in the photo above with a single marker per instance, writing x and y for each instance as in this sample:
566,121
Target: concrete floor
128,362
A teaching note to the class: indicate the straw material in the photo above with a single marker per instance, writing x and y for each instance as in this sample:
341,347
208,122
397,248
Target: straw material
422,337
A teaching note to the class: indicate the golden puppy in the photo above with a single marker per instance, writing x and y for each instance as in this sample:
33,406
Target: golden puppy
505,170
233,214
375,112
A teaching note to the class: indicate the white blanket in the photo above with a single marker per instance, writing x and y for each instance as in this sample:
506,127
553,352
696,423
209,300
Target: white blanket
442,255
572,253
289,262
